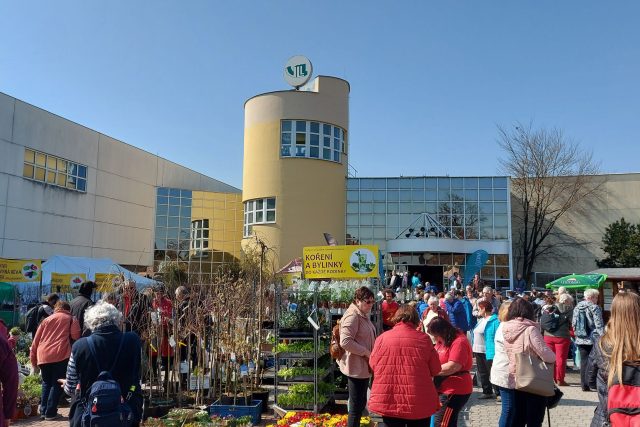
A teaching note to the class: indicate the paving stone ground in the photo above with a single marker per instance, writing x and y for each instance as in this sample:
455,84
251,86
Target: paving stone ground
575,408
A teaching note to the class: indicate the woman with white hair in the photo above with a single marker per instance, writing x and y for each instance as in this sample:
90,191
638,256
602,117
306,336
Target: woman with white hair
587,324
107,348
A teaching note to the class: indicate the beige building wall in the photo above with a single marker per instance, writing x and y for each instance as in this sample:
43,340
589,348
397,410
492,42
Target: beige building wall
585,226
310,193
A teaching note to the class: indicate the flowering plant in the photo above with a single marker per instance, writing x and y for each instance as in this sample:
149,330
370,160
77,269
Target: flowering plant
309,419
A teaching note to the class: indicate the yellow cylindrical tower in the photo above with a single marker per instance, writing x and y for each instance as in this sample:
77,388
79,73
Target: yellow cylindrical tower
295,167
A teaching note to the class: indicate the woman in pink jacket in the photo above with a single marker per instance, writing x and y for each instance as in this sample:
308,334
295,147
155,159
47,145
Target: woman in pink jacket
50,353
521,333
404,363
357,335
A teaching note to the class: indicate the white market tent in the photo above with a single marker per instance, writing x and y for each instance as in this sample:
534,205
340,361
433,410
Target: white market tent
88,266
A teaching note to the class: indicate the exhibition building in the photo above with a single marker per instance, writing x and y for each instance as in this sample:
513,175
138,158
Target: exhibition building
69,190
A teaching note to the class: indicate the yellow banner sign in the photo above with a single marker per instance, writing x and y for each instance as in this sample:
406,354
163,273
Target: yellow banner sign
340,262
107,282
61,282
20,270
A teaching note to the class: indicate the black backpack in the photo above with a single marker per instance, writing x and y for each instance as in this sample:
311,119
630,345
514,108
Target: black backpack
105,404
549,321
33,317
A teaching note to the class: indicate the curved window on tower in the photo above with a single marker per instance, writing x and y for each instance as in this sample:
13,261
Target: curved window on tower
312,140
258,211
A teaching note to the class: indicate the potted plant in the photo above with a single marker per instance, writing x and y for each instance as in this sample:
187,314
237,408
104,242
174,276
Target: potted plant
29,394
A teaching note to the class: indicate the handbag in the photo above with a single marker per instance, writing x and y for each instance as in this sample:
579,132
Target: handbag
532,374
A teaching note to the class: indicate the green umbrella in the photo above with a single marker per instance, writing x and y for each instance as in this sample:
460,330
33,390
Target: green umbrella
578,281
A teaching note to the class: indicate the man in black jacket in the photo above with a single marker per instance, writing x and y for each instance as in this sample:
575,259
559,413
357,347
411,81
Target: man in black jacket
81,303
104,321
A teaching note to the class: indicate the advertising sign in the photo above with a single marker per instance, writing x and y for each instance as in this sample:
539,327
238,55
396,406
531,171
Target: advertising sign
61,282
340,262
297,71
20,270
106,282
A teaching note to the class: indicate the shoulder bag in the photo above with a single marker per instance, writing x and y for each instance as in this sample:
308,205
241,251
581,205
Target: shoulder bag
532,374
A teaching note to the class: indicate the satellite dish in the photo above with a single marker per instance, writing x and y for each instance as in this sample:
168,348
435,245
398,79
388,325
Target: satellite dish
297,71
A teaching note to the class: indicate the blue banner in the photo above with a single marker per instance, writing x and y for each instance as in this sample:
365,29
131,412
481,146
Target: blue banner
475,262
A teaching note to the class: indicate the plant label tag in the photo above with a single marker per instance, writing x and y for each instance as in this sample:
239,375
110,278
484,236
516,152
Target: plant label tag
233,376
233,356
184,367
172,341
252,367
313,323
244,371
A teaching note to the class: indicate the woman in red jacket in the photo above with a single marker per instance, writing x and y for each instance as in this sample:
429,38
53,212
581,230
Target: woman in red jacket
404,363
454,380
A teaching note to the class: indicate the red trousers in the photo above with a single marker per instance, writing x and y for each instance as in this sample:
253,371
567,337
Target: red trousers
560,346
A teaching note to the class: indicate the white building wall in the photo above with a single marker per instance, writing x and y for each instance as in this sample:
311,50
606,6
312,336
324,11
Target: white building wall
114,218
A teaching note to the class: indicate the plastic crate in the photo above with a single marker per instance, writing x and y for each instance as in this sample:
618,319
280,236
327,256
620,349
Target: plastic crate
255,410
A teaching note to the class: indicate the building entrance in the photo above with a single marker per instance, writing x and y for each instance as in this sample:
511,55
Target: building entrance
429,273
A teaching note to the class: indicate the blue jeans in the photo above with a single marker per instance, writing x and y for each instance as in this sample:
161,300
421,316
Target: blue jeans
51,390
508,415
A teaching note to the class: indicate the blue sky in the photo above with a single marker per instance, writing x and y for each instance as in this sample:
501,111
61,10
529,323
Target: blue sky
429,80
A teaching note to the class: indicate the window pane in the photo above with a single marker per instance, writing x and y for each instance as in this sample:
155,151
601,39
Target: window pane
174,192
366,208
286,125
486,195
392,195
259,216
500,194
352,196
314,140
51,177
352,208
326,129
500,208
51,162
315,127
174,210
271,203
286,138
301,151
29,155
286,151
301,126
326,154
301,138
366,196
27,171
327,141
185,211
314,152
40,159
271,216
485,182
61,179
71,182
471,183
352,219
500,220
39,174
259,204
456,182
163,200
173,221
353,184
379,195
336,132
500,182
336,144
336,156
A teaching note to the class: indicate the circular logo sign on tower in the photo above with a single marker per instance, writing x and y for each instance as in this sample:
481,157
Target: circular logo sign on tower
297,71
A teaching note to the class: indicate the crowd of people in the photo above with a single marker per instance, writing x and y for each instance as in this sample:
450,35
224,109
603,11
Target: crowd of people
420,366
418,372
75,341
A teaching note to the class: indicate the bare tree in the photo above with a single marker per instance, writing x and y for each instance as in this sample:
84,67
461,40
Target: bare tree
550,176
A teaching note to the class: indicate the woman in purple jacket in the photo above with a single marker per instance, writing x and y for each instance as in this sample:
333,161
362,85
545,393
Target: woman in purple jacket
9,380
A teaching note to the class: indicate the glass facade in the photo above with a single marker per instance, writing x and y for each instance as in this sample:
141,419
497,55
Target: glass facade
313,140
201,229
54,170
468,208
